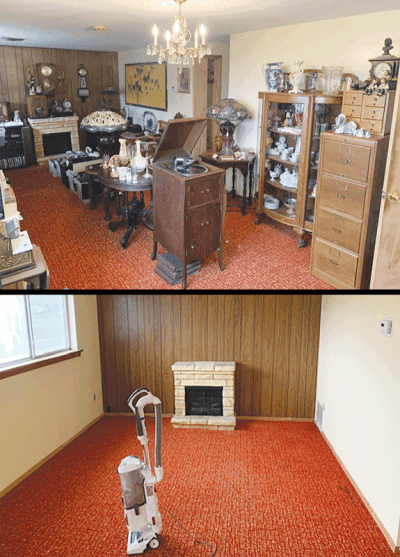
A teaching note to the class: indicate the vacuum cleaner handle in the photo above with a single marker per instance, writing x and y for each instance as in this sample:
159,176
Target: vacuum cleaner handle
132,405
137,407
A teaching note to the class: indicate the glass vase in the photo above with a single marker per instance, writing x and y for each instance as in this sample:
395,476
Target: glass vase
332,79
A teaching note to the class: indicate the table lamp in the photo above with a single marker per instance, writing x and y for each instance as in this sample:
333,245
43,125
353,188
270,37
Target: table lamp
104,122
228,113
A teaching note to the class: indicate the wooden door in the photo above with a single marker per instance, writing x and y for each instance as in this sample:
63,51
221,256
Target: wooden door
200,105
214,96
386,267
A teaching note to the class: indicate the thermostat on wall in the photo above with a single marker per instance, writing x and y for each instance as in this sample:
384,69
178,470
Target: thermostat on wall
387,326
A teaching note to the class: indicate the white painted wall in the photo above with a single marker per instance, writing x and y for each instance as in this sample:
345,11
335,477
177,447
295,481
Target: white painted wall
347,42
177,102
44,408
359,383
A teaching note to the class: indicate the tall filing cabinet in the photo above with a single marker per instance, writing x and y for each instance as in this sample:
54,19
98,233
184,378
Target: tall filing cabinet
350,179
372,112
188,211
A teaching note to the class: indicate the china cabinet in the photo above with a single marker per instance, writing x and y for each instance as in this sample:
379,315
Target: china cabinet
290,128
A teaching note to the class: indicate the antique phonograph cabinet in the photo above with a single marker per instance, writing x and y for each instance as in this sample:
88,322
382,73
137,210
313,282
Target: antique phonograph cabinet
189,198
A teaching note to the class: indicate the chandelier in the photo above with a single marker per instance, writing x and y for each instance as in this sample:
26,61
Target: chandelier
177,41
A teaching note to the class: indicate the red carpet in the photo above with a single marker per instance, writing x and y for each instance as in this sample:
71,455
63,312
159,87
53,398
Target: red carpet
82,253
267,489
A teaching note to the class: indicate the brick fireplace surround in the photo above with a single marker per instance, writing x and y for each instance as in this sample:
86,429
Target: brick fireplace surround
42,126
205,374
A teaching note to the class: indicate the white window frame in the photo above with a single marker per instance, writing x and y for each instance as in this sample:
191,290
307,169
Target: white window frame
25,365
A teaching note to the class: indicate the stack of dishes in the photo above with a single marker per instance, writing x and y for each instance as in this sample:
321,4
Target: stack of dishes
271,202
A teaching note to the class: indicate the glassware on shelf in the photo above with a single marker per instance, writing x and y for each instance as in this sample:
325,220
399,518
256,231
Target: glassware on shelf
332,79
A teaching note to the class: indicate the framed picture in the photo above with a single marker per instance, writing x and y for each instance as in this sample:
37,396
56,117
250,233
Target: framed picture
184,80
146,85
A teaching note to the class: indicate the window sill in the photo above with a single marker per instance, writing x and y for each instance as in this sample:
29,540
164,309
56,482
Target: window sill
16,369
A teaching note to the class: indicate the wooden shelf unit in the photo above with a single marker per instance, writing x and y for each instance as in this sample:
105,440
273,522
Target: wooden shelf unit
17,150
313,111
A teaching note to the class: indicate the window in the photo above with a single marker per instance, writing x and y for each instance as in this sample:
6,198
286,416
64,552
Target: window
35,327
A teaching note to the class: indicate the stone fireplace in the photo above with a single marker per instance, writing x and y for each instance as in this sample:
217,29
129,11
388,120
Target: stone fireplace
204,395
45,131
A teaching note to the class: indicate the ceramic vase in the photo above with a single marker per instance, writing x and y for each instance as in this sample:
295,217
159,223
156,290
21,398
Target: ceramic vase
271,75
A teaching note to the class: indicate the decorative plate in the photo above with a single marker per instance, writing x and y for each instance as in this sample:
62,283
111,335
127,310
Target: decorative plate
149,121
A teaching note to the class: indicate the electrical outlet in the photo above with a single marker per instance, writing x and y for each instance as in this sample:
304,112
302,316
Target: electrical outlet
94,397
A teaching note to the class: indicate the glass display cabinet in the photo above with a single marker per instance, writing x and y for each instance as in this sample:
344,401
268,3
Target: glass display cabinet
291,127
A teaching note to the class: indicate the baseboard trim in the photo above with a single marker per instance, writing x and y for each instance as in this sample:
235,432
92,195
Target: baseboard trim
389,539
47,458
256,418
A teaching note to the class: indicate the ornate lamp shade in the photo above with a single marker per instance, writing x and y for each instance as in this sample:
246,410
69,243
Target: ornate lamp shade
103,121
228,113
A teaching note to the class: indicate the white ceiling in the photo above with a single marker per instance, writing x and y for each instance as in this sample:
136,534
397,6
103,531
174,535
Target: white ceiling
67,23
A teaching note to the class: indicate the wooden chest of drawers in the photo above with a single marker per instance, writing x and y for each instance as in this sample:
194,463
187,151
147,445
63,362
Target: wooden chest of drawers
349,185
371,112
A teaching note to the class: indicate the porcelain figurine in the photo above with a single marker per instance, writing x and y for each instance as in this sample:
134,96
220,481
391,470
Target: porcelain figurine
285,154
123,151
273,174
281,144
288,120
349,128
282,81
271,75
286,178
276,172
296,77
31,83
139,161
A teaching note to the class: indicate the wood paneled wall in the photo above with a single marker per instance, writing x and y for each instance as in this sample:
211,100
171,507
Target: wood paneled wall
16,61
273,338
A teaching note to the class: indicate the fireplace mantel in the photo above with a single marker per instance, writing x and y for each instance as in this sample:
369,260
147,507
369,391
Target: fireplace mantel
205,374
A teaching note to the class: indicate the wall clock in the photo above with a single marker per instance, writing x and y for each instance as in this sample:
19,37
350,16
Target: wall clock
385,65
46,76
83,91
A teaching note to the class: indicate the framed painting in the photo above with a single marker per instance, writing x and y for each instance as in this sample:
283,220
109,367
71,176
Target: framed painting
184,80
146,85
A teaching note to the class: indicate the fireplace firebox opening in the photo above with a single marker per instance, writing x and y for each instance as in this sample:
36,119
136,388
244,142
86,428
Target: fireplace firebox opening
56,143
203,401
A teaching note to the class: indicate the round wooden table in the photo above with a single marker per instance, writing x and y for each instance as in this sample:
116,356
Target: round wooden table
133,211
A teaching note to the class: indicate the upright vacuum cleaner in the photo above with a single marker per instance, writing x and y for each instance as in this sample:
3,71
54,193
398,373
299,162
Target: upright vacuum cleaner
138,482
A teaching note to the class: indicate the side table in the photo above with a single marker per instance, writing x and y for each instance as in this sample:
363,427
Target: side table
246,167
132,212
91,172
38,276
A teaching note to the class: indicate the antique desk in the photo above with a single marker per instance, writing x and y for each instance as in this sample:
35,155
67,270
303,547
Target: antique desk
246,167
133,211
38,277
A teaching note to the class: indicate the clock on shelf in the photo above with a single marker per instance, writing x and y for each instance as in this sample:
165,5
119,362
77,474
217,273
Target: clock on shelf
37,106
385,66
46,76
